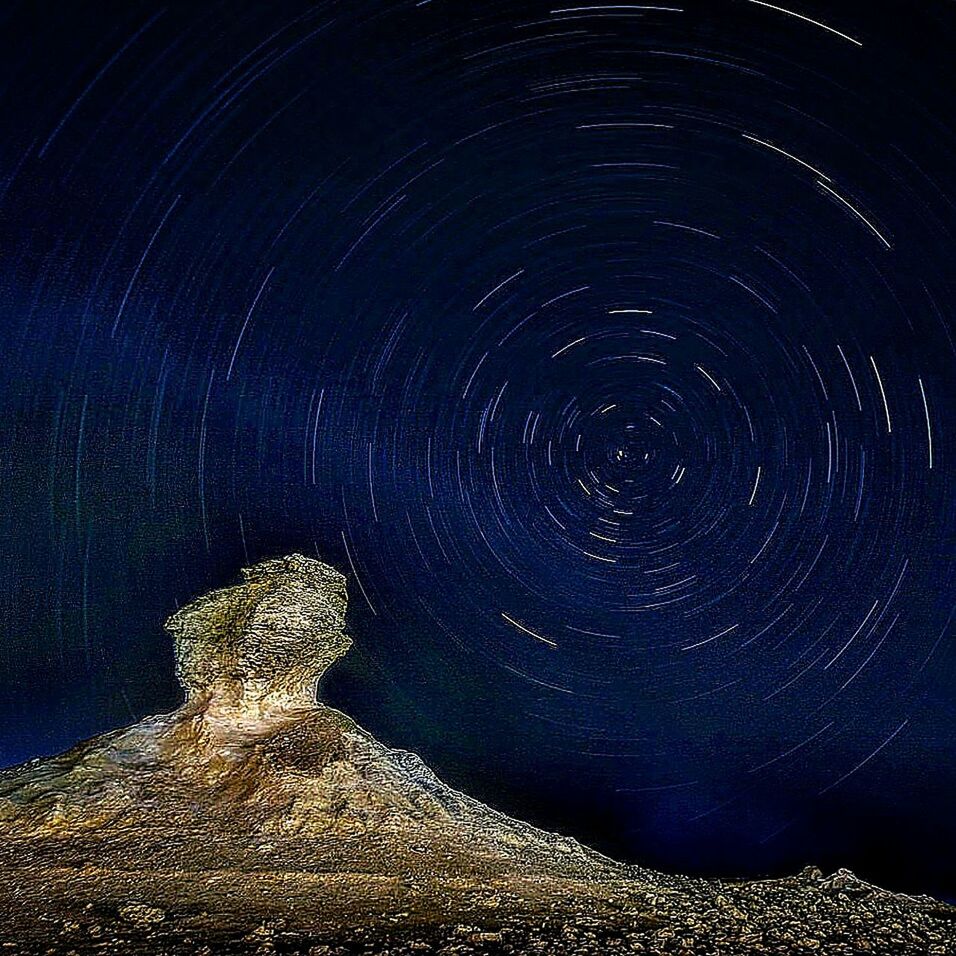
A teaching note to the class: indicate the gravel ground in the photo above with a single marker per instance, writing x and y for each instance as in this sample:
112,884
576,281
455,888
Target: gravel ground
227,912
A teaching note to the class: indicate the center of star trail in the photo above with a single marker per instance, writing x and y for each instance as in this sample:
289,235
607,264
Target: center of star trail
608,350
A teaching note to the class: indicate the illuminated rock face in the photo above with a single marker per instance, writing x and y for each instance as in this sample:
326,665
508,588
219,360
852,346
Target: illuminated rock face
252,753
263,644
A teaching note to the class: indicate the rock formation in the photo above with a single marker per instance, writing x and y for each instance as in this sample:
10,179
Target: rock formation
256,819
264,644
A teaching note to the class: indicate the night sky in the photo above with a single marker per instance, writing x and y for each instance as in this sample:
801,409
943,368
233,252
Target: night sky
609,350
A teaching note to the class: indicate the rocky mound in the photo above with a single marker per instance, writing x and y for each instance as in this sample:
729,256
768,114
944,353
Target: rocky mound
256,819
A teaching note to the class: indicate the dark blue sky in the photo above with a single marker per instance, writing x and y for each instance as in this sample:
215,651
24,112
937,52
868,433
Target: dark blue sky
608,349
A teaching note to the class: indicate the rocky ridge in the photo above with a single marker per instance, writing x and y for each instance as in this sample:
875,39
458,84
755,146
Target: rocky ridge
254,819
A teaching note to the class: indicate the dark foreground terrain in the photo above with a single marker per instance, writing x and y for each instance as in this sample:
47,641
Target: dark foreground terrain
255,820
115,911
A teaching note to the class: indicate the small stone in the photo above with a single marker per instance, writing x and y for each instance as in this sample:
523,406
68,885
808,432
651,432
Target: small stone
141,914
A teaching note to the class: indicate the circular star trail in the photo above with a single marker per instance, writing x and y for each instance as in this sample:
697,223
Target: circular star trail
607,347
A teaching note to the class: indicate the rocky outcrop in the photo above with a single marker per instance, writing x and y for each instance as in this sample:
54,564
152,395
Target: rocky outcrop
257,819
263,644
253,751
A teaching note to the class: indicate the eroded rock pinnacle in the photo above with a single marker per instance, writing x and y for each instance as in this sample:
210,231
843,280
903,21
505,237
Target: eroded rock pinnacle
264,643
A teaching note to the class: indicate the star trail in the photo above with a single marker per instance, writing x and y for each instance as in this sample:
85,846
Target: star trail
607,348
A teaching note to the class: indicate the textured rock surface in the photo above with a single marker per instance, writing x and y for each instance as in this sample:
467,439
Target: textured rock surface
264,643
256,820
